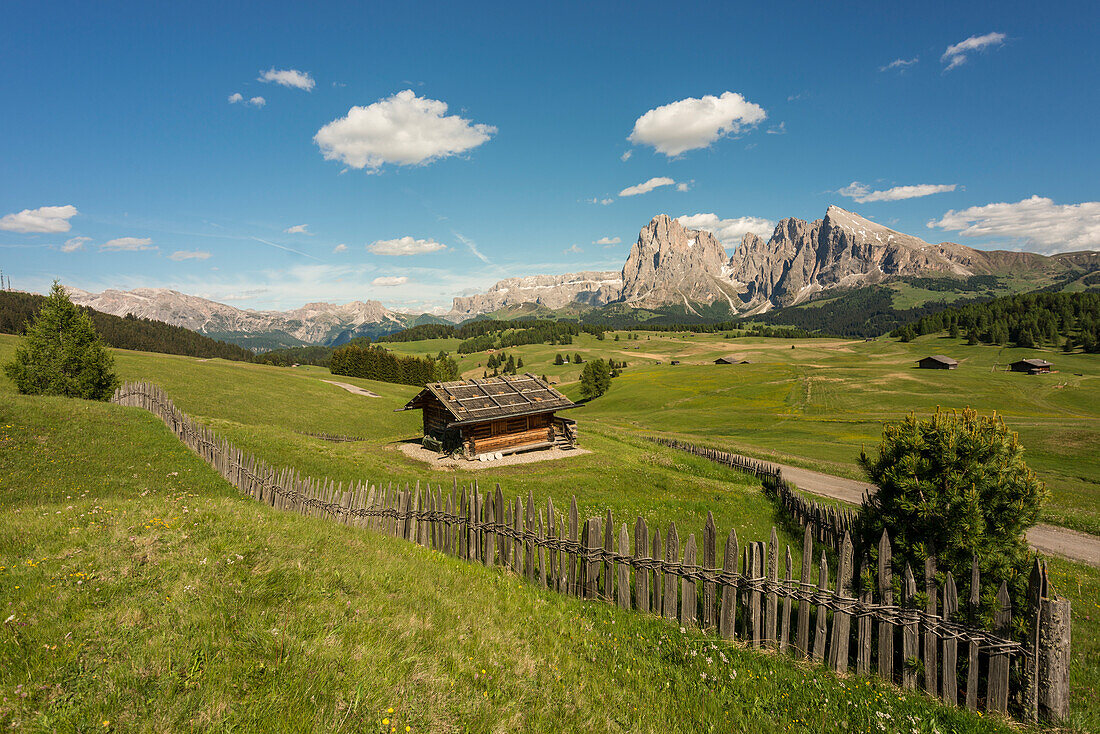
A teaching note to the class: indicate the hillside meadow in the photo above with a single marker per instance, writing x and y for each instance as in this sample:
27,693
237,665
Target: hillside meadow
141,592
818,402
309,574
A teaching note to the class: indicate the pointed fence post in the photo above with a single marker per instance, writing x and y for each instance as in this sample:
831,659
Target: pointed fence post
1053,653
886,598
709,559
973,661
688,586
657,585
802,645
822,620
641,575
572,582
909,634
950,679
772,604
863,644
785,615
624,569
931,641
842,621
608,564
672,557
727,615
999,661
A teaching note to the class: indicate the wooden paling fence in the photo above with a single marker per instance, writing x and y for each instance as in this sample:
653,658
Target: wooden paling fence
828,524
740,593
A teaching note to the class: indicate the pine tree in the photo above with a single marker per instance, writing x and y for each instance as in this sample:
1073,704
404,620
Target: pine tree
62,354
577,358
519,363
953,486
595,379
558,359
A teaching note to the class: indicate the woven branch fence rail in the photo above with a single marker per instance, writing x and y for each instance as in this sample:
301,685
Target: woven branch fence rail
743,598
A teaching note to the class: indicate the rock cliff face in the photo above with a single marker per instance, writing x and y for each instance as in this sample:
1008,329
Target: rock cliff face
843,249
553,291
669,264
314,323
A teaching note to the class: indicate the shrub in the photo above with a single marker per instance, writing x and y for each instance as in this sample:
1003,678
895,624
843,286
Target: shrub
62,354
953,486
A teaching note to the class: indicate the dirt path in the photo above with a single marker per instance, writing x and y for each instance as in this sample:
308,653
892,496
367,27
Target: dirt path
353,389
1049,539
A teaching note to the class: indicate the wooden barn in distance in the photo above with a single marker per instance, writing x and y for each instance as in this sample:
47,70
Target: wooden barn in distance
937,362
502,414
1031,366
731,359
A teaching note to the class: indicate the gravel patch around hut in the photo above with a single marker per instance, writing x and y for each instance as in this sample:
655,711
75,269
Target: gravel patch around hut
445,463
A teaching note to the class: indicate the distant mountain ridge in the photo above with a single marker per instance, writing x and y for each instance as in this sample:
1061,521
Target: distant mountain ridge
314,323
671,272
671,265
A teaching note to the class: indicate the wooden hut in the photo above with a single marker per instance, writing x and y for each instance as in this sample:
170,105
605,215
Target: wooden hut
937,362
731,359
1031,366
495,415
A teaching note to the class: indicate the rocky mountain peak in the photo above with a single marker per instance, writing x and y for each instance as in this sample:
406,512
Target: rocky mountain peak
671,264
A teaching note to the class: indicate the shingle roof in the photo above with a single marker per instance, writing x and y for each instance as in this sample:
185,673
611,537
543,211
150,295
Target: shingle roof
473,401
941,359
731,359
1035,362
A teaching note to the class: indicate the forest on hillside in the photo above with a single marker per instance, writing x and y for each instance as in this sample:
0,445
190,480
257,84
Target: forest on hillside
373,362
123,332
1029,320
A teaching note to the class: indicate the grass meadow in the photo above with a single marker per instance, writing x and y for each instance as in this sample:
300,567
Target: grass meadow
142,593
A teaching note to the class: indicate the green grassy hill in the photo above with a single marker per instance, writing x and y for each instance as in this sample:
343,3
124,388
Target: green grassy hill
196,608
142,593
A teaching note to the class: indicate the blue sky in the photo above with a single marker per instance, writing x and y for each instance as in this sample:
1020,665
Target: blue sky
492,140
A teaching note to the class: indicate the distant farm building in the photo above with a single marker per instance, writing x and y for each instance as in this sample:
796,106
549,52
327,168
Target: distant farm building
731,359
675,361
937,362
1031,366
496,415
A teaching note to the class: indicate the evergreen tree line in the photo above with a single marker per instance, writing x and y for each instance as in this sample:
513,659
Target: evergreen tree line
532,332
506,363
1028,320
18,309
373,362
318,354
421,332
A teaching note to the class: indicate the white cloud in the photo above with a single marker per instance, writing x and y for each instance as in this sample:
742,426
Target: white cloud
127,244
1038,222
863,193
390,280
602,202
42,219
780,129
340,248
405,246
403,130
298,229
607,241
695,123
573,250
288,78
626,156
900,64
956,54
235,98
180,255
645,188
728,231
683,186
75,243
257,101
254,101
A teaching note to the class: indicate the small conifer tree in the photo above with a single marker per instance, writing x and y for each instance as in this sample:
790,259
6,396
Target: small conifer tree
62,354
953,486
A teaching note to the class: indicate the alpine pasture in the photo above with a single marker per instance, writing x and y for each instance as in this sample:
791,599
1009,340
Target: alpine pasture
144,593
